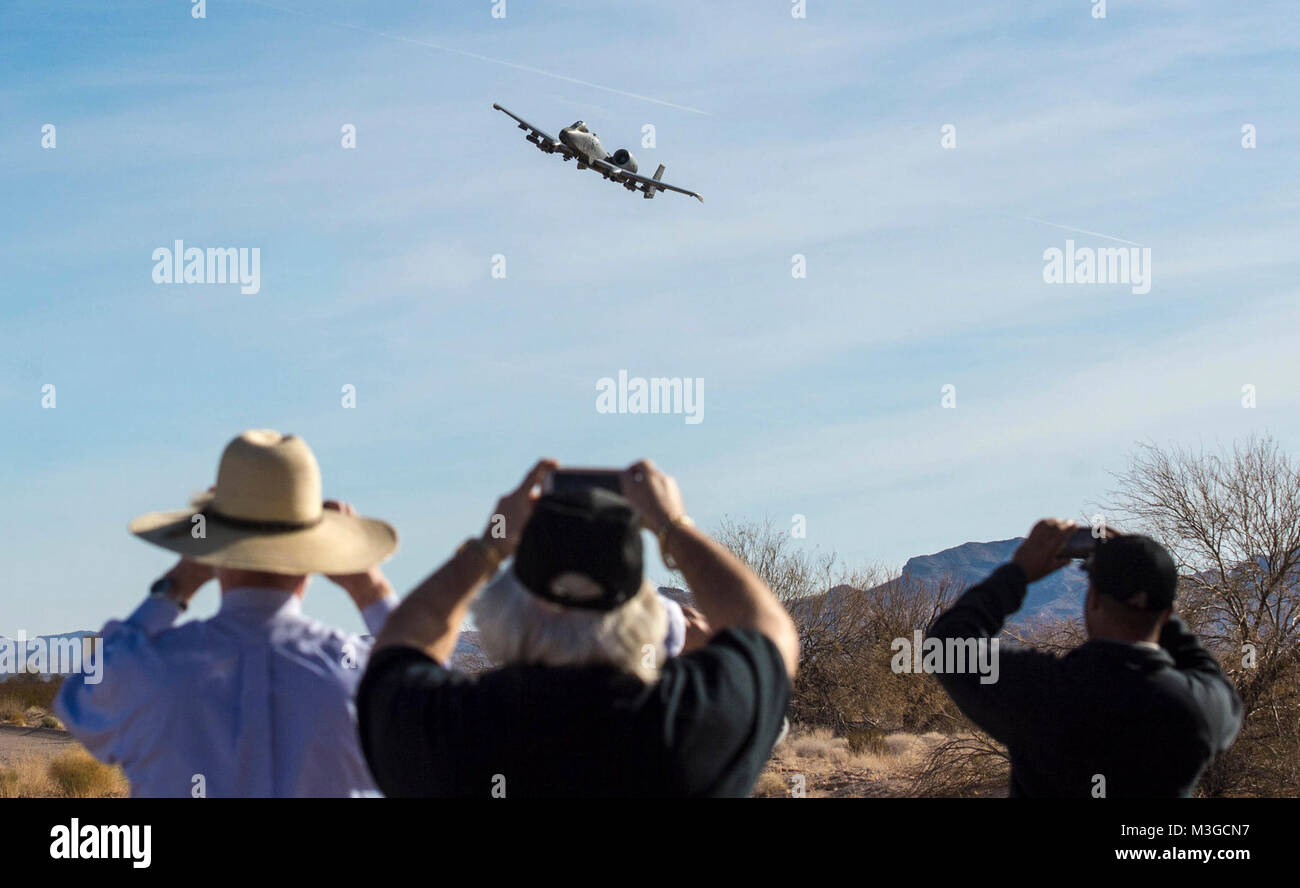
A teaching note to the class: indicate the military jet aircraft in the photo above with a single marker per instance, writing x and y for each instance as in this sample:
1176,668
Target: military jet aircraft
576,142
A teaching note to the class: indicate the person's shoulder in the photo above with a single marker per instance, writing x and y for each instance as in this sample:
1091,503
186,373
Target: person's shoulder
1186,692
746,655
159,665
407,665
191,640
747,642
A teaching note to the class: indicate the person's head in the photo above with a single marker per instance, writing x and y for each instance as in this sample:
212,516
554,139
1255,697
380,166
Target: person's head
264,523
1132,582
575,594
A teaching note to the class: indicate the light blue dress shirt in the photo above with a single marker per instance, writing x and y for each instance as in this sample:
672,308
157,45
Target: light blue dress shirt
255,702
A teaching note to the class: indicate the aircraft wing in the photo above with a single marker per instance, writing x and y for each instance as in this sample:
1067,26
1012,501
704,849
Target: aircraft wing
648,186
541,139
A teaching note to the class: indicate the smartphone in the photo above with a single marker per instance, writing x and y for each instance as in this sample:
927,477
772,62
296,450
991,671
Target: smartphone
1081,544
579,479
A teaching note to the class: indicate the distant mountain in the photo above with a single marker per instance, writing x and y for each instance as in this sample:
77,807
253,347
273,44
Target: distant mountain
1059,594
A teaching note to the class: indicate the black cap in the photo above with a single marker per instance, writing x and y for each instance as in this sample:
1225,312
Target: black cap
1136,570
581,548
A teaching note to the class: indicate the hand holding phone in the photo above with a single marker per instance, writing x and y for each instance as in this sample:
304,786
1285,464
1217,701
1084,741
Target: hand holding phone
1080,544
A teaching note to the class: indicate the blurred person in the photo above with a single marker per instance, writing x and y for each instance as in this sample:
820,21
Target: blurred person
256,701
1139,710
688,630
584,701
675,622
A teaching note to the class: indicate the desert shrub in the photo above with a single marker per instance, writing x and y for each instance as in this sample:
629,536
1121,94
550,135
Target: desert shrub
867,740
847,622
965,765
12,710
32,690
819,743
77,774
770,785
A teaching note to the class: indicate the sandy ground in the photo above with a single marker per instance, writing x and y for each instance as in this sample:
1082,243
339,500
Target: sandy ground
19,743
822,764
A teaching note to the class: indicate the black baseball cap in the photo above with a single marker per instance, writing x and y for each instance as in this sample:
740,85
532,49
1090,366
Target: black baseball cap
1136,570
581,548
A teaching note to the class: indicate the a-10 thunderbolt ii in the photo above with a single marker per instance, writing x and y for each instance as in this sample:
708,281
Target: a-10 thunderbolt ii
576,142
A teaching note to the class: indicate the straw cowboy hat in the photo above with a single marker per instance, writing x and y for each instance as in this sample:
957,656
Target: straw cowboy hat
266,514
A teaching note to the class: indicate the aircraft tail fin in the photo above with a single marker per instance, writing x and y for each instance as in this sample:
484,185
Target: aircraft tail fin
659,172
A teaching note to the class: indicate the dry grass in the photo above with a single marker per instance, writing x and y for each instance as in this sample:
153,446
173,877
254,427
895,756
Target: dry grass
903,754
825,765
31,690
770,786
70,775
25,779
28,701
819,743
77,774
12,711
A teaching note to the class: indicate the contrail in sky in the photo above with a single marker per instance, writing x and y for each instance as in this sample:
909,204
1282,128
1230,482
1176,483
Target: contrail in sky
481,58
1082,231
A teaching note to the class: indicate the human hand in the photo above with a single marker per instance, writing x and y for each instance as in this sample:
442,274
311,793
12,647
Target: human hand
367,587
507,523
655,495
1039,554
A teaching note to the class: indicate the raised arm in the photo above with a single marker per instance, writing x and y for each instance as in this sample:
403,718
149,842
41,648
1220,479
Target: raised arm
1003,703
429,619
728,592
369,590
100,704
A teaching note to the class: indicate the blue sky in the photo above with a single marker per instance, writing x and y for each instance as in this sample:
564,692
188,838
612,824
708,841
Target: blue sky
820,137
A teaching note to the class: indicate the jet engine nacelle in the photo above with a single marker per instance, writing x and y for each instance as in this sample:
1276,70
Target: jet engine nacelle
623,158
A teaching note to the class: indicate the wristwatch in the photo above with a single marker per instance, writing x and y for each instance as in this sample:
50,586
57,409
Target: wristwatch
682,520
162,588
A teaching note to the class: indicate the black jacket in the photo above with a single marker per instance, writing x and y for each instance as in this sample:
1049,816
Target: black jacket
1146,721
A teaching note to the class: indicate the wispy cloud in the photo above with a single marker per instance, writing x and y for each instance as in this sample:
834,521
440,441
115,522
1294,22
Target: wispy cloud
477,56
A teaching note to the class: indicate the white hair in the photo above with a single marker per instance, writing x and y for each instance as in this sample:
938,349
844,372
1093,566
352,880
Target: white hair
516,626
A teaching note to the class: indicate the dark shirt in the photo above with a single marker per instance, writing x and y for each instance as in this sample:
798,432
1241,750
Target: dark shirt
1147,720
705,728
